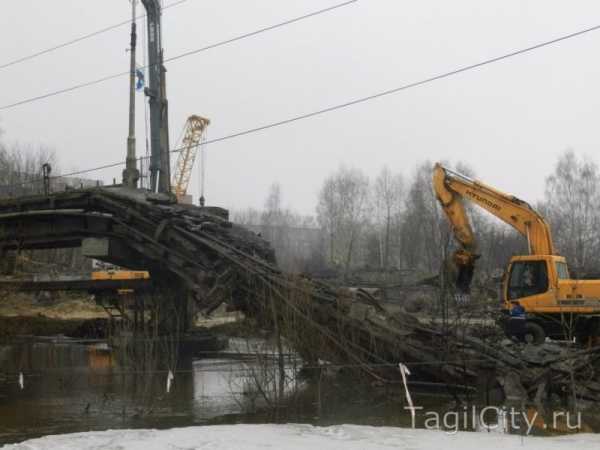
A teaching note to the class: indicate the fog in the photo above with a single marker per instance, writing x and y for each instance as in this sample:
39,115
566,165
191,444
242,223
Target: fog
509,121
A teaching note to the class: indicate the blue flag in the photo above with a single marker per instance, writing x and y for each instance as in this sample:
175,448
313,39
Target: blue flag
141,79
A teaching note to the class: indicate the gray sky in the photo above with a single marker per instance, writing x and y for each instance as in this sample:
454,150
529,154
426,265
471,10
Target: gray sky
509,121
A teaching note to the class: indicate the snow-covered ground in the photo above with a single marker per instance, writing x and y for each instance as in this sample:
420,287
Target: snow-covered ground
292,437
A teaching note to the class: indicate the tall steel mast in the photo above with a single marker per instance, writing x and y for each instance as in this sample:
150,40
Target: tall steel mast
160,175
131,174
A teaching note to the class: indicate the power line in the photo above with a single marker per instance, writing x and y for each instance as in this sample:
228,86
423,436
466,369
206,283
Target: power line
343,105
261,30
401,88
183,55
79,39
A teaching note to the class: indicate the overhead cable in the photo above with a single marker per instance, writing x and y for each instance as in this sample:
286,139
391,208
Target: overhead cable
345,104
177,57
78,39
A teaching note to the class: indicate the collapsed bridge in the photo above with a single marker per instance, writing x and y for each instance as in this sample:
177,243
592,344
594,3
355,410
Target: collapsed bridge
198,260
180,245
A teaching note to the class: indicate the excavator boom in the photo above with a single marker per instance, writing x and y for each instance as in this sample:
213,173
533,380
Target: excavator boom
452,188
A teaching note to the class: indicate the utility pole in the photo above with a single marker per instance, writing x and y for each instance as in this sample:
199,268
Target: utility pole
46,170
131,174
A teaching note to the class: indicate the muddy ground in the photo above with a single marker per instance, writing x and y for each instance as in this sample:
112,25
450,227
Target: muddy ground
77,315
43,315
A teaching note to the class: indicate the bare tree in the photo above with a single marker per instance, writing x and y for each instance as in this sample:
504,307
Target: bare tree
329,217
343,212
295,238
572,194
387,198
20,168
422,228
249,217
20,174
273,217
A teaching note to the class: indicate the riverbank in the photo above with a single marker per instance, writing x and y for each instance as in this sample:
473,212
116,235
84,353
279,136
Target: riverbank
24,314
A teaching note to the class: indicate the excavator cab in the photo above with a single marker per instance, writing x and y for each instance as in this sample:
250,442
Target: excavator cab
528,283
532,281
535,281
526,279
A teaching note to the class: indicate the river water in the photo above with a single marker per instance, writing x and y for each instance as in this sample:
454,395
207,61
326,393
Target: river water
58,386
70,386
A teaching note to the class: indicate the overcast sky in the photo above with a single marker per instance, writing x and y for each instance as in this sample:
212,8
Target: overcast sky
509,121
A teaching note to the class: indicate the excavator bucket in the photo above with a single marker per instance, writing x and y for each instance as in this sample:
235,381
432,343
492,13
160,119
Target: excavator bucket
463,270
464,278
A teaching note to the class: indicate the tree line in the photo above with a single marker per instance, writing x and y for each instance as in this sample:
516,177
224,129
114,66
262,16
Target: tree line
20,174
393,222
21,168
389,222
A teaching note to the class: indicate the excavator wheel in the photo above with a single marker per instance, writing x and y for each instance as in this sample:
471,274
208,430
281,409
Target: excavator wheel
589,335
534,334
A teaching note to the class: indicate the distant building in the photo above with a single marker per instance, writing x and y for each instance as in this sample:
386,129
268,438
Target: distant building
290,243
67,183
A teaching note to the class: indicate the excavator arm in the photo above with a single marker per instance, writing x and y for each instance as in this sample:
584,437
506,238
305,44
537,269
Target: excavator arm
452,188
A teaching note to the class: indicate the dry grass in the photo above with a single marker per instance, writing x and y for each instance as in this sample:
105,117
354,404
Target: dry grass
13,304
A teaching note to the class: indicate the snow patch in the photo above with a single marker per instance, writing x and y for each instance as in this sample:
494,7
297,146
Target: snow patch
296,437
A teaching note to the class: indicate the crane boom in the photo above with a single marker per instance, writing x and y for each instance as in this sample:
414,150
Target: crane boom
192,138
452,188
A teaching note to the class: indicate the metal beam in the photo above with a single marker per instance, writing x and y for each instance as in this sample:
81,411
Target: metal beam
113,251
75,284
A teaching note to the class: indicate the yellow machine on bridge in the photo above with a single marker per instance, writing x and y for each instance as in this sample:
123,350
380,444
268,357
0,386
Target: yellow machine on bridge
120,274
555,305
194,133
115,274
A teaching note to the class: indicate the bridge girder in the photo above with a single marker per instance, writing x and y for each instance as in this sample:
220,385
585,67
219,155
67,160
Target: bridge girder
188,247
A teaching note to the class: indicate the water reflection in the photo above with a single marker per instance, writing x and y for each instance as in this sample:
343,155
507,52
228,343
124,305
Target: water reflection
71,386
213,394
228,386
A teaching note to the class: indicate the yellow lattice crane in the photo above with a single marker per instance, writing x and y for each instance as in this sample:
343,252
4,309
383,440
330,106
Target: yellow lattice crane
195,128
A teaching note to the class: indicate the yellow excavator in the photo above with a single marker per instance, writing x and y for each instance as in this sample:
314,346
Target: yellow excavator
554,305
